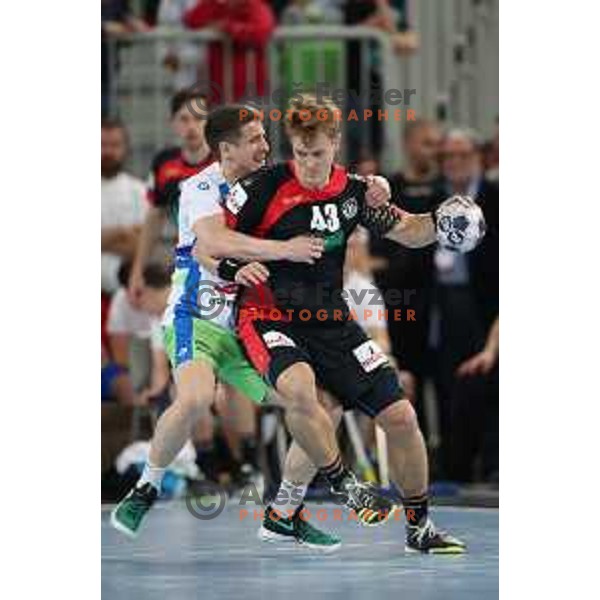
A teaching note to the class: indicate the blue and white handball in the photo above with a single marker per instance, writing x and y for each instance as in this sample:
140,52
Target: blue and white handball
460,224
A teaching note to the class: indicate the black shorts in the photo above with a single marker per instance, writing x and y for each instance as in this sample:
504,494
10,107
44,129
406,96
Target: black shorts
346,362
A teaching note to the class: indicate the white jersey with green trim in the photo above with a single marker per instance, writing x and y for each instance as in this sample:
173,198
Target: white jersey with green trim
197,292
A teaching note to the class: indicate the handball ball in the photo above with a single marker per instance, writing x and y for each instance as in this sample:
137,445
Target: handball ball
460,224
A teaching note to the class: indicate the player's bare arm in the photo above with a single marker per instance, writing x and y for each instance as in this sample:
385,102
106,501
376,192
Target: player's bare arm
458,223
215,239
413,231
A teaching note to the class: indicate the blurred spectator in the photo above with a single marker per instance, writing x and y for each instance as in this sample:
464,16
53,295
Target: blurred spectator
306,12
491,156
150,10
362,294
380,15
390,17
483,362
153,302
123,208
467,310
315,61
123,204
367,165
169,168
182,59
115,382
117,19
368,307
416,189
129,332
249,24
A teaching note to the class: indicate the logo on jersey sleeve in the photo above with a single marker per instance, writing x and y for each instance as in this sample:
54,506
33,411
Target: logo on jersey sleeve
203,186
274,339
370,356
350,208
236,199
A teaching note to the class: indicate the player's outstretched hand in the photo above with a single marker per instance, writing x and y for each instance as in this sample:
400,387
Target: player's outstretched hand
253,273
304,249
378,191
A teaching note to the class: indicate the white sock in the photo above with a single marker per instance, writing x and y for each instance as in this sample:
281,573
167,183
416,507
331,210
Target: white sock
289,497
151,475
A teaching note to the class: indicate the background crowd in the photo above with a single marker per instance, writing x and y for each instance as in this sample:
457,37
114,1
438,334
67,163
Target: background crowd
447,358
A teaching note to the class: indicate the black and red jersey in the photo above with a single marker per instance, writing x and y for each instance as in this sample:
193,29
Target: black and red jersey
271,203
169,169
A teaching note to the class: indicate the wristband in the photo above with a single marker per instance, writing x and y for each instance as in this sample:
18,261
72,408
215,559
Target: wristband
228,267
381,220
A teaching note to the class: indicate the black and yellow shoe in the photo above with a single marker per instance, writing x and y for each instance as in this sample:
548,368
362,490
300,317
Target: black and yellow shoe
297,531
426,539
371,506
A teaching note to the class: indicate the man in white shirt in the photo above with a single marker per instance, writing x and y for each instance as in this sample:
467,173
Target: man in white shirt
123,204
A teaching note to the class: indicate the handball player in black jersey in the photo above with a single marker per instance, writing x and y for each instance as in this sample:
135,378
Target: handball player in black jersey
297,330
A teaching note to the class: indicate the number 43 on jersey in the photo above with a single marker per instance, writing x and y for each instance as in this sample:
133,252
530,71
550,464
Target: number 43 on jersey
325,218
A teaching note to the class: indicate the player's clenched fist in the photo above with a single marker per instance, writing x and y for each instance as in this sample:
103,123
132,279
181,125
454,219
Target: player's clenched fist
304,249
253,273
378,191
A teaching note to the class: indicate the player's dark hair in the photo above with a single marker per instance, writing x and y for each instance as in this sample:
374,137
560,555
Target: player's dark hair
197,99
224,124
157,276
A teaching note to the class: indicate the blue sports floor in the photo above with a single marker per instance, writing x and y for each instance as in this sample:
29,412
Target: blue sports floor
178,557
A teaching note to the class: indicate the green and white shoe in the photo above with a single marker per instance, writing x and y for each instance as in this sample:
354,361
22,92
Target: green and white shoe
129,514
298,531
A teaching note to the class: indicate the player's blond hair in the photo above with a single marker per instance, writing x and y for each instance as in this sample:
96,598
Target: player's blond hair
306,117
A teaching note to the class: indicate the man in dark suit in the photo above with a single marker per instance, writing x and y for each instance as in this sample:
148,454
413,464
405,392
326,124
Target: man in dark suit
466,295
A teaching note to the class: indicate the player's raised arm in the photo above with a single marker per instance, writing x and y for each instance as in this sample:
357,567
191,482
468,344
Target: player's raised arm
387,220
413,230
457,223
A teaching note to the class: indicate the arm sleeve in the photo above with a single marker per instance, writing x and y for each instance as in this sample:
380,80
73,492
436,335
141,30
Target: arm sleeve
378,221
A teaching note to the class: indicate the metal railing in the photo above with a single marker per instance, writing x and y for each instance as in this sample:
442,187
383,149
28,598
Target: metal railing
454,73
456,67
141,85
